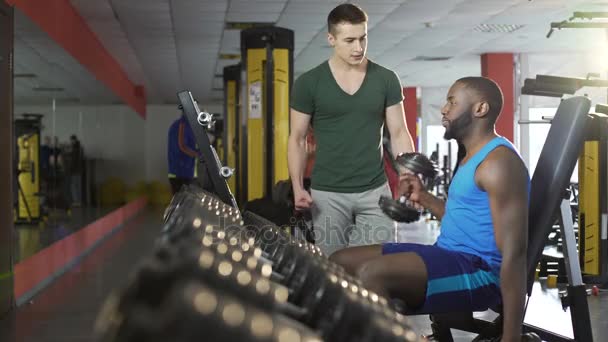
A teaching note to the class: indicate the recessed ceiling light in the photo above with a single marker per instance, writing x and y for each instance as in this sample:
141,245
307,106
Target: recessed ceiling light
24,76
48,89
69,99
431,58
497,28
245,25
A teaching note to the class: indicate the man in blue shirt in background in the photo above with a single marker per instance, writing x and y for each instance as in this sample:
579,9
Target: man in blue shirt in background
182,154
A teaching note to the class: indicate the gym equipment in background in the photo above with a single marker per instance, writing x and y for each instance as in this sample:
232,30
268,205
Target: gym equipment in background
267,55
27,168
232,127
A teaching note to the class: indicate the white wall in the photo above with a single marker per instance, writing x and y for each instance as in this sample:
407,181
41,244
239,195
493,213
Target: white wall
124,144
431,101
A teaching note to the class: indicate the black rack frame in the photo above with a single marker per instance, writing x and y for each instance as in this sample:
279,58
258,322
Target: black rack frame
210,164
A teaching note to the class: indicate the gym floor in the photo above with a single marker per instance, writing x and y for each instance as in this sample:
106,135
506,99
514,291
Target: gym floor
67,309
30,238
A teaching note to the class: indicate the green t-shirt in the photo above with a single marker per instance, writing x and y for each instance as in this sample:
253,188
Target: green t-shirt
348,128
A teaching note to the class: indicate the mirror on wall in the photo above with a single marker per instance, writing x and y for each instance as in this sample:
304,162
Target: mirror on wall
56,185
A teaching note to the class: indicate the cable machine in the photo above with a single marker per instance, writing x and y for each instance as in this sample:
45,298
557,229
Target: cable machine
268,64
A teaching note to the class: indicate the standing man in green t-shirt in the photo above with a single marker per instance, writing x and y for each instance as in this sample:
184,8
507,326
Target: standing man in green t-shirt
348,98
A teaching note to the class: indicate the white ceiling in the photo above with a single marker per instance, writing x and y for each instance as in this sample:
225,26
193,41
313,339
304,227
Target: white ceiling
40,63
173,45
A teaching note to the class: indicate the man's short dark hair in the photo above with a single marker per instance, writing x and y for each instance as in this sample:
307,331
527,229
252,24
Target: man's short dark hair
488,91
345,13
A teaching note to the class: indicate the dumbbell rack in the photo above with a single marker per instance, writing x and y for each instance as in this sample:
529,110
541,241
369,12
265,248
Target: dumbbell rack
217,275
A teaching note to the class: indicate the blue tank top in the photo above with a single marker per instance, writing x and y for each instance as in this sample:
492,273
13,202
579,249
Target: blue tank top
467,223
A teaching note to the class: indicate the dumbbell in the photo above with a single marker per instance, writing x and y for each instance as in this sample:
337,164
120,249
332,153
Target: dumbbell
240,252
282,248
167,267
236,275
194,311
187,266
299,269
264,226
273,241
326,287
362,320
203,242
175,202
342,314
213,211
398,210
170,266
419,164
292,268
335,289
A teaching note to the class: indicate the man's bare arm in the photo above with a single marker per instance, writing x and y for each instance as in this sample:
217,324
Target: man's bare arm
401,140
296,148
505,178
434,204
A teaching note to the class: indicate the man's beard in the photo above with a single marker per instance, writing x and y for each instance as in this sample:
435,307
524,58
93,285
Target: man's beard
458,128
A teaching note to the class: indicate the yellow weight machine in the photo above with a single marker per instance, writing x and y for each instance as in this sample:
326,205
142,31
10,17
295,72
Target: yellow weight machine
267,59
27,133
232,77
593,199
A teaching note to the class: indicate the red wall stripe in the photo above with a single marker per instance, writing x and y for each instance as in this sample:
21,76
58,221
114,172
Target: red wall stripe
64,24
499,67
42,265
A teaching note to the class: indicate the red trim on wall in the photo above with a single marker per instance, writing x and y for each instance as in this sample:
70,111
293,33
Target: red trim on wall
42,265
410,105
500,68
64,24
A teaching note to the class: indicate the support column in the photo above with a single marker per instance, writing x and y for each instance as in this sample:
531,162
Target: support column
500,68
6,158
410,105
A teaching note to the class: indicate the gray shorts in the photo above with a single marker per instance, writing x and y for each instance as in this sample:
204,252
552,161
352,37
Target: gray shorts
350,219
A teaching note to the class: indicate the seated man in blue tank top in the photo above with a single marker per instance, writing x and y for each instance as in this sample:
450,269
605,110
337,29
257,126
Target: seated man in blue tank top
479,259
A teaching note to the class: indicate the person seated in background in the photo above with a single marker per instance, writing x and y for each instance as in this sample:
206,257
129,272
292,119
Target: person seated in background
75,171
45,155
181,154
45,170
479,259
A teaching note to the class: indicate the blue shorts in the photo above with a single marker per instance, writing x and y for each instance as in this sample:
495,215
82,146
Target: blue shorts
457,281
